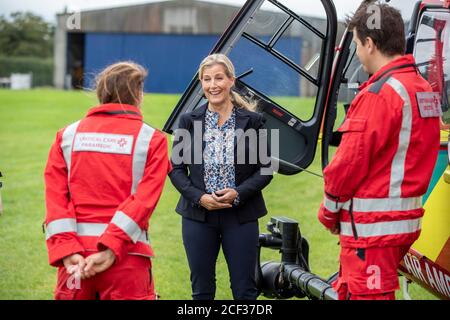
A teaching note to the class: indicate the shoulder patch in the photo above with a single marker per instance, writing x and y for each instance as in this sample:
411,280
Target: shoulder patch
429,104
376,86
103,143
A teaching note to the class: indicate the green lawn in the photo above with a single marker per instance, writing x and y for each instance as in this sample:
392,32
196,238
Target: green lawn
29,121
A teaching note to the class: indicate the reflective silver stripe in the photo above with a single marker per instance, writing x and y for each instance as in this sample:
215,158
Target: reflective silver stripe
398,164
331,205
128,225
97,229
91,229
382,228
384,204
60,226
67,143
82,229
140,154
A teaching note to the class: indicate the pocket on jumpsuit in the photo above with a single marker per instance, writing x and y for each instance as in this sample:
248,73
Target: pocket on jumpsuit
352,130
67,286
134,281
347,159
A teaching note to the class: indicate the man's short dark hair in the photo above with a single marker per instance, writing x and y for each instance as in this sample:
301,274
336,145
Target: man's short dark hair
388,36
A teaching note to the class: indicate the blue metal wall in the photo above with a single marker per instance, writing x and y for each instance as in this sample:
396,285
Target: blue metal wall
172,60
270,75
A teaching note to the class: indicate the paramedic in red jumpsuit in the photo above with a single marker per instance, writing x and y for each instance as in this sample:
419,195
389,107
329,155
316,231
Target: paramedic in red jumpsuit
104,176
375,182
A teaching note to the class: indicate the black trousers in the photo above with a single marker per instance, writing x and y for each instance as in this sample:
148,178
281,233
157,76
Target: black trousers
202,241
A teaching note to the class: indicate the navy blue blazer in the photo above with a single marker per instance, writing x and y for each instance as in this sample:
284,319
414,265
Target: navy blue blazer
187,177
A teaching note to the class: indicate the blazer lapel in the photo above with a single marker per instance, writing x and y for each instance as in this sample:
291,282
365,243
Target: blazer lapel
198,115
241,123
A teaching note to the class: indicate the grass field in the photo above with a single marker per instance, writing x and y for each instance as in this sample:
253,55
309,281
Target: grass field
28,124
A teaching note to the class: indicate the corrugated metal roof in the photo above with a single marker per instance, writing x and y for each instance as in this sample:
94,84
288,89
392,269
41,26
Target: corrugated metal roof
169,17
152,17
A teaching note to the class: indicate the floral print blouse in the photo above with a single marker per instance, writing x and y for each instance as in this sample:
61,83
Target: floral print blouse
218,157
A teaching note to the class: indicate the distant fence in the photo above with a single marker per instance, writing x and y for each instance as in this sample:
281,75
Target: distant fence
41,69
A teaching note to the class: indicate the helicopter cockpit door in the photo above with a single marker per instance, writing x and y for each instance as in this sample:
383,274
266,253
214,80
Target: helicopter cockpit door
283,61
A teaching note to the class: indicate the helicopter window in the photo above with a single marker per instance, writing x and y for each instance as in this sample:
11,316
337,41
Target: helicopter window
266,22
307,13
353,76
308,53
286,48
432,53
286,91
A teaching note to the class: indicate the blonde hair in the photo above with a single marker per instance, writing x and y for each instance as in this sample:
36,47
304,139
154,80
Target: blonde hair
121,82
223,60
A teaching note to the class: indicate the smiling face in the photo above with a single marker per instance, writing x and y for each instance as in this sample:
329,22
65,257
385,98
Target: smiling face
217,85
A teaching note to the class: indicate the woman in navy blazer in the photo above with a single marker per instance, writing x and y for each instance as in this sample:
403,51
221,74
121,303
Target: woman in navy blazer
218,169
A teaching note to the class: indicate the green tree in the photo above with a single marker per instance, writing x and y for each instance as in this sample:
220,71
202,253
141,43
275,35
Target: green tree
26,34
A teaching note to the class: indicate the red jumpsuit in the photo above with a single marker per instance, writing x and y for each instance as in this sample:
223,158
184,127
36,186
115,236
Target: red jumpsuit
375,182
104,176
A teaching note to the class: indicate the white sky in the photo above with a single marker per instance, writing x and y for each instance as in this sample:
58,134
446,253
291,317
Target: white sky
48,8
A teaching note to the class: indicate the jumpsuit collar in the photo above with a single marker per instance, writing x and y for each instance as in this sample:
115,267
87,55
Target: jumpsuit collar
117,110
396,63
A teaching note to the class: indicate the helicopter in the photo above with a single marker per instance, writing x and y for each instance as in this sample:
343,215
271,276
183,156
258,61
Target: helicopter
303,57
428,261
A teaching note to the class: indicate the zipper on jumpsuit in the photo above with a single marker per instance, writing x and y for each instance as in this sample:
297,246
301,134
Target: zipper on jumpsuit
352,219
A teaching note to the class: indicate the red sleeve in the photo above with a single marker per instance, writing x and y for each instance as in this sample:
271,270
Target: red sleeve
60,220
133,214
368,125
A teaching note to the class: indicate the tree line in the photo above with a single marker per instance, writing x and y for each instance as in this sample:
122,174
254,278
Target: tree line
24,34
26,45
